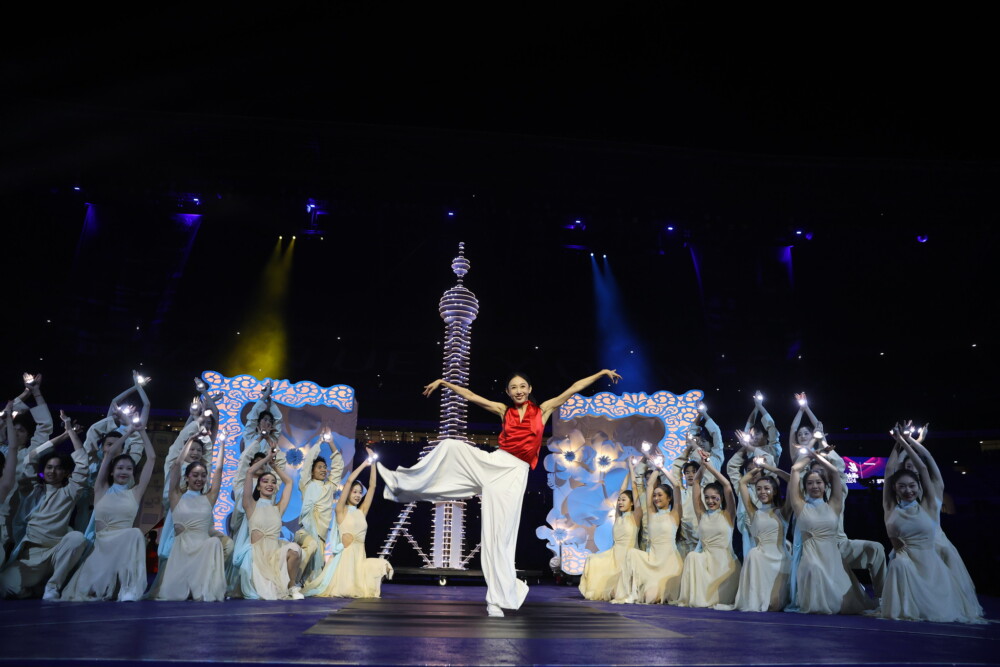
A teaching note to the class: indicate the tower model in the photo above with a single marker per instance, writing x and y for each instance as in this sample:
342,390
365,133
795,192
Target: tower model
458,308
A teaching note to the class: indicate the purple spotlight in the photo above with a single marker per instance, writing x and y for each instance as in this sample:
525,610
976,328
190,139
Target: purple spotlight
921,238
451,214
76,187
196,200
670,228
809,236
798,232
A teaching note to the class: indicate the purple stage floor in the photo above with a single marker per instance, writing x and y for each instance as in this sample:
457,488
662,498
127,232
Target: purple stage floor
433,625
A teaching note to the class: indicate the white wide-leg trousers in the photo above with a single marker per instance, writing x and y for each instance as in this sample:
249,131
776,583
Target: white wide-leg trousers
456,471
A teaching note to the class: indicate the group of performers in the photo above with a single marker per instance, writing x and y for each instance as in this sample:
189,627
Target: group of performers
672,533
70,519
673,530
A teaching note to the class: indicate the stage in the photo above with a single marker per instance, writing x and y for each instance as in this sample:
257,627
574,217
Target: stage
419,625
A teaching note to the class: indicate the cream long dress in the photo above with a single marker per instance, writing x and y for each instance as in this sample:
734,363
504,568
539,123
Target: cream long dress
654,577
919,585
603,571
196,568
764,579
269,554
823,584
350,574
712,575
116,568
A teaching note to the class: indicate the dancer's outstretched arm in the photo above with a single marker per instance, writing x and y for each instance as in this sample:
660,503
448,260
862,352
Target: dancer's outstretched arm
341,508
495,407
366,503
636,506
7,479
727,488
553,404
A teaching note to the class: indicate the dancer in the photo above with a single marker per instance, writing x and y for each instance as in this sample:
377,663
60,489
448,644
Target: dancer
949,554
824,584
747,458
276,562
32,428
318,487
602,572
7,477
260,435
455,470
202,416
49,550
687,471
195,569
920,586
655,577
350,573
686,465
116,568
766,568
765,436
712,575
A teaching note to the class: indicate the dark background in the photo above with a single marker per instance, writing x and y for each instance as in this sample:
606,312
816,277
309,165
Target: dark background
863,131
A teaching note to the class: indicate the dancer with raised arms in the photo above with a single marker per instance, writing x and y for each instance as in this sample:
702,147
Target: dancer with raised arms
455,470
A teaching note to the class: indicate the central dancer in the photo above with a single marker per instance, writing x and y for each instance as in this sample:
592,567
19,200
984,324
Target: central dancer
455,470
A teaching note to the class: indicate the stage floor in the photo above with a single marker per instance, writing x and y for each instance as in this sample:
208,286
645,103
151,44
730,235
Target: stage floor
421,625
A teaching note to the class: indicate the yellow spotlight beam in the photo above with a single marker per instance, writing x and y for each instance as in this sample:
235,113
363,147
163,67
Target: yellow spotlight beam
262,348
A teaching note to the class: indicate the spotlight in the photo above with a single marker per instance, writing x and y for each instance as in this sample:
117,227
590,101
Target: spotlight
921,238
451,214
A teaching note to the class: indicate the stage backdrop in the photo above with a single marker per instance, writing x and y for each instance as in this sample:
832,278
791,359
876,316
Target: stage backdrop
308,411
591,441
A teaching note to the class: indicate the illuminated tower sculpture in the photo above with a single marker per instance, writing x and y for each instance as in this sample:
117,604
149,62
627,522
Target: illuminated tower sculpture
458,308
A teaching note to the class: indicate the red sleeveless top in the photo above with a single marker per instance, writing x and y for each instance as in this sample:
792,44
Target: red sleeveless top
523,437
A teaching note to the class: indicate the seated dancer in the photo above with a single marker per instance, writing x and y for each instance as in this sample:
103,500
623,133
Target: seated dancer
949,554
276,563
857,554
824,583
99,434
747,458
686,466
318,487
455,470
116,568
602,572
48,550
712,575
196,567
767,566
202,416
32,428
920,585
654,577
7,478
260,435
350,573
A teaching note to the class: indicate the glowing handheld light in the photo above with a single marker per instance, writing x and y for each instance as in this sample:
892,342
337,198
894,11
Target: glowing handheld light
195,405
28,378
745,437
702,407
802,402
759,396
818,435
803,450
143,380
14,413
200,384
646,446
759,460
208,413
